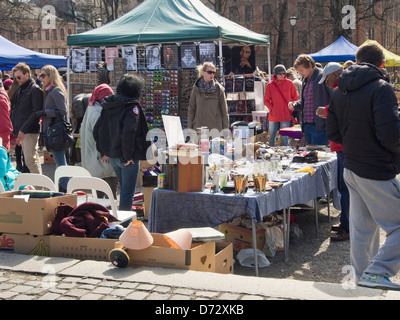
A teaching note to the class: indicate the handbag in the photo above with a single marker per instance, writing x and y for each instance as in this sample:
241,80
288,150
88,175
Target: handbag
58,136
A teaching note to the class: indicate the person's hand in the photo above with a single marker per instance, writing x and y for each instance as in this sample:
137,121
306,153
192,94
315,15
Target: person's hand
291,106
245,62
20,137
129,162
105,159
321,112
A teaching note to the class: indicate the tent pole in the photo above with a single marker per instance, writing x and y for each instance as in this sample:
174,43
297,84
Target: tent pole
68,84
269,63
221,62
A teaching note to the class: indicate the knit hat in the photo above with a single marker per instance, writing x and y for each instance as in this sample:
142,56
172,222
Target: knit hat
7,83
331,67
279,69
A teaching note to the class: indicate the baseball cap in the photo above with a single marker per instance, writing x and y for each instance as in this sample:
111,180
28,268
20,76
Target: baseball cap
331,67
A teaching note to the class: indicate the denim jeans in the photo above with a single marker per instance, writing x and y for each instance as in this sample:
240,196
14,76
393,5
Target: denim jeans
314,137
127,177
59,159
273,128
344,192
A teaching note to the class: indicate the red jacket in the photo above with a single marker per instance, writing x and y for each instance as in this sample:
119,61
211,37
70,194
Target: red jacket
276,104
6,127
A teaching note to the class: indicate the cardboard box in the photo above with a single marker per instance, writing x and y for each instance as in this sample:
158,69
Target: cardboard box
31,217
242,238
81,248
25,244
201,256
147,191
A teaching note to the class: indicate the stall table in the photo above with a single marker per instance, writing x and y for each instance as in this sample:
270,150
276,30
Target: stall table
170,210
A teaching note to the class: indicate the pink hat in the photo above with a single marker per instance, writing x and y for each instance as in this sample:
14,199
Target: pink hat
7,83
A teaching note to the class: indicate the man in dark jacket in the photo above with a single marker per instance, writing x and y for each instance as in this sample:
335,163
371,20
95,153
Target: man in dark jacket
313,96
121,134
363,116
28,99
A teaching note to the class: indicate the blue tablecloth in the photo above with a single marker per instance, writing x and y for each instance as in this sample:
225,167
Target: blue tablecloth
170,210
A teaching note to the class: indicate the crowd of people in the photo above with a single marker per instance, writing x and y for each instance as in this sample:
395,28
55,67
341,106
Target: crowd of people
352,108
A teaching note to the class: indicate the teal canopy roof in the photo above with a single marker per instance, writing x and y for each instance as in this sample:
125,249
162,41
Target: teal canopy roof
168,21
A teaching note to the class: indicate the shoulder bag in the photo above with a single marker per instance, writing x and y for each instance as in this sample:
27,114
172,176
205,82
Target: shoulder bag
58,136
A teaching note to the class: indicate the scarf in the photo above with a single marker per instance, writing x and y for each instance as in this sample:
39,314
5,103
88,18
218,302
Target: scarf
99,93
207,86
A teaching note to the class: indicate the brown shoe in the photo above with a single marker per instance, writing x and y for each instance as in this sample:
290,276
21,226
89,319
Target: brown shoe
342,235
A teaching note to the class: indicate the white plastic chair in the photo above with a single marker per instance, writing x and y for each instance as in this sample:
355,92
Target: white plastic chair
2,188
34,179
69,171
97,184
76,171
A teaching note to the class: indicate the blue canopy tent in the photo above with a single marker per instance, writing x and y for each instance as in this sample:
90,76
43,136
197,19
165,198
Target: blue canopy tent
11,54
339,51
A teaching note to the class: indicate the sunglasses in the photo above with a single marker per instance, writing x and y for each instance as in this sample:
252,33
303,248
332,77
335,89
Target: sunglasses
210,72
42,75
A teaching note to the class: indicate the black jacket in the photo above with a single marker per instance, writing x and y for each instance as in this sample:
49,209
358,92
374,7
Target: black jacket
28,100
121,129
363,116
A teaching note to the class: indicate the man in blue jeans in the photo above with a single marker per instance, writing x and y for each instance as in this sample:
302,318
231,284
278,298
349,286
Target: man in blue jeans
313,96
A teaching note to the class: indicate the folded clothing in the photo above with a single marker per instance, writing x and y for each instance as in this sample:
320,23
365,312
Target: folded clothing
89,219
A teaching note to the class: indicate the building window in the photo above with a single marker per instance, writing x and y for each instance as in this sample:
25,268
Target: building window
47,34
54,34
302,10
302,40
62,34
248,13
39,34
266,12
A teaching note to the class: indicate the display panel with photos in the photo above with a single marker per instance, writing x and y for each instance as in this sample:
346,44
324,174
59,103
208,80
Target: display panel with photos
153,57
129,53
207,53
188,56
95,55
110,54
78,60
243,59
170,57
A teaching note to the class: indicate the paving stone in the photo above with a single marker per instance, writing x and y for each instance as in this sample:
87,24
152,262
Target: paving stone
66,285
207,294
50,296
21,288
102,290
109,283
89,281
251,297
186,292
23,297
89,287
91,296
229,296
162,289
137,295
7,294
76,292
6,285
158,296
180,297
121,292
128,285
145,287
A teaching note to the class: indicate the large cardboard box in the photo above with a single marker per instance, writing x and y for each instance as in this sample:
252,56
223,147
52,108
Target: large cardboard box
81,248
201,256
242,238
25,244
147,191
32,216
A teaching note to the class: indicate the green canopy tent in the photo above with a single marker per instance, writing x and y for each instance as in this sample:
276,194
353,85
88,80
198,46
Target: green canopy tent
168,21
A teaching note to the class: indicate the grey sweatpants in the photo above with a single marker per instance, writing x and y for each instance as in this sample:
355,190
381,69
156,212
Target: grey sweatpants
373,205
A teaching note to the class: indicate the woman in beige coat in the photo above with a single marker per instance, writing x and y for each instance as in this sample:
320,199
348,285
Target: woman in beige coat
207,106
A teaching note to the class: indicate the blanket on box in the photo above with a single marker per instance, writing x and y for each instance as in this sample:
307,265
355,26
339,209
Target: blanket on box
88,219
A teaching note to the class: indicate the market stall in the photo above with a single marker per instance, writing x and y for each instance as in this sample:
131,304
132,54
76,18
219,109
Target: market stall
163,41
339,51
11,54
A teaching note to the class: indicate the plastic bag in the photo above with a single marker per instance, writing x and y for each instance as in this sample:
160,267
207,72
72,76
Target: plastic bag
246,258
273,240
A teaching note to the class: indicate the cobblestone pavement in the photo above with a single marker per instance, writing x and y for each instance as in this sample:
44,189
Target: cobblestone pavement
26,286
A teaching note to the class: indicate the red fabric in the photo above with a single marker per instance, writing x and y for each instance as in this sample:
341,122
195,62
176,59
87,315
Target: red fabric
99,93
6,127
277,106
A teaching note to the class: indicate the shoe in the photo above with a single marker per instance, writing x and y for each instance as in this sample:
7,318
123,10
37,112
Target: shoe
377,282
342,235
335,227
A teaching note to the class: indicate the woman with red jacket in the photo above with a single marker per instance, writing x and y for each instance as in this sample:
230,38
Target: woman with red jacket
279,92
6,127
